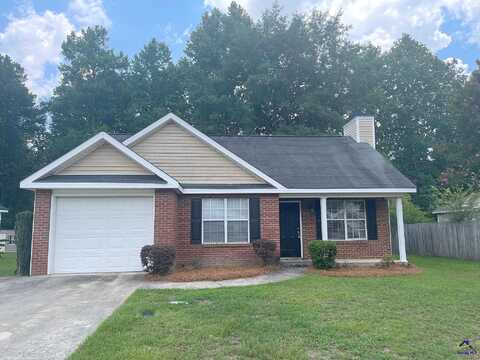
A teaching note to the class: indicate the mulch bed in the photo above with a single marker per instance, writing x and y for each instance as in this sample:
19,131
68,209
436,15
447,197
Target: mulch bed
368,271
187,274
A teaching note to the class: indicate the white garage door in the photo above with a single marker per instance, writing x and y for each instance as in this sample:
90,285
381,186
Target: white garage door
100,234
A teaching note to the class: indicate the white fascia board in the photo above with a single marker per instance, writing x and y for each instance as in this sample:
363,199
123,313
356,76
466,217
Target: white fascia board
3,211
88,145
305,192
355,191
159,123
230,191
78,185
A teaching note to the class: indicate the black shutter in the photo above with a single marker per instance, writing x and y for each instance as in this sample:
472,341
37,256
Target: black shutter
318,219
196,232
371,207
254,218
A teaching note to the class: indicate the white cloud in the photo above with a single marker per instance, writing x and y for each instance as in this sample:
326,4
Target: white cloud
34,39
173,37
88,13
384,21
459,65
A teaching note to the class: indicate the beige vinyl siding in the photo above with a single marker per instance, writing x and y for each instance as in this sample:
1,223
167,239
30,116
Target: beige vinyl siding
350,129
105,160
366,129
189,160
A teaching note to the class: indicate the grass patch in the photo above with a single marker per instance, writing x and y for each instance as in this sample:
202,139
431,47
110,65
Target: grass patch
8,264
422,316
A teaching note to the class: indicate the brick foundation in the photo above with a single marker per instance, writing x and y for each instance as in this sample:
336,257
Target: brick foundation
40,232
358,249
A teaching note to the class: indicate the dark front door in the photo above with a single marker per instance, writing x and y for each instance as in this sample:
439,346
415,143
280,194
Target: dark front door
290,229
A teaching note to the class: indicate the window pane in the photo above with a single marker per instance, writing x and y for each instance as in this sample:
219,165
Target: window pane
237,209
355,209
356,229
336,229
237,231
213,209
213,232
335,209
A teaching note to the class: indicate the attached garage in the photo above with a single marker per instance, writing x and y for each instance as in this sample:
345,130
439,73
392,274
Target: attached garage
99,233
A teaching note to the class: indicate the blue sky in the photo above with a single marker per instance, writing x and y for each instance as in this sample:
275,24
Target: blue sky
32,31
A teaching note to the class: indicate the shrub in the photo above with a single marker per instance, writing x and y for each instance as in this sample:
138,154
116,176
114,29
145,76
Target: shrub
323,253
265,250
23,240
158,259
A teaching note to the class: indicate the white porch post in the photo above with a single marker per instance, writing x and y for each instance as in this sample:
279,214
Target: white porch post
400,230
323,217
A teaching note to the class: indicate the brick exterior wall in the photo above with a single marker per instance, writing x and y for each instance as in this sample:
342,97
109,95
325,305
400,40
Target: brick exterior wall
358,249
165,225
220,254
40,232
172,226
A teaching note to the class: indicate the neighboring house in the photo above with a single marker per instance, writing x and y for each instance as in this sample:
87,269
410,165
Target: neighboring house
7,241
211,197
3,210
446,215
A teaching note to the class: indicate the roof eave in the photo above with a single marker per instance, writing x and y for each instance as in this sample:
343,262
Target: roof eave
102,185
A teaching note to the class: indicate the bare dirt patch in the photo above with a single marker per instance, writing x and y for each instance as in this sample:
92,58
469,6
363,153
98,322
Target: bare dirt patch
368,271
212,273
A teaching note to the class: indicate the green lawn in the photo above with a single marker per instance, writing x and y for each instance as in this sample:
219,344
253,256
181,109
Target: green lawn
424,316
8,264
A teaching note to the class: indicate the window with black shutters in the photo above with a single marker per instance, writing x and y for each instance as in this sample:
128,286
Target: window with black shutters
225,221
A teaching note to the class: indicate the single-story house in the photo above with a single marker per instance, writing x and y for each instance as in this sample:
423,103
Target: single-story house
211,197
3,210
444,214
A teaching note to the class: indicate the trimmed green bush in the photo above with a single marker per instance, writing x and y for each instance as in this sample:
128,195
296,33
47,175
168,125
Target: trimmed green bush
158,259
23,240
323,253
265,250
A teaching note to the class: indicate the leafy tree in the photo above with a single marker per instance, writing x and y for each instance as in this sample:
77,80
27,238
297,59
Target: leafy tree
220,56
412,104
412,214
154,86
459,144
93,93
20,122
461,204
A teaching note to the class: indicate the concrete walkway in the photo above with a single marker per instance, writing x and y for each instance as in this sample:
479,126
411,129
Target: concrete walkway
284,274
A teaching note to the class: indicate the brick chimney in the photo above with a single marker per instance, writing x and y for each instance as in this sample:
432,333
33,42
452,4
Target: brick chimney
361,129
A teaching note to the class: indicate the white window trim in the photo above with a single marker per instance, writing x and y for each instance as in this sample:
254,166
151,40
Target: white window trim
345,220
225,224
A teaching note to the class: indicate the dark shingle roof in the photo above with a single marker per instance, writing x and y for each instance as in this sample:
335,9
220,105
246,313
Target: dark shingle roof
149,179
317,162
120,137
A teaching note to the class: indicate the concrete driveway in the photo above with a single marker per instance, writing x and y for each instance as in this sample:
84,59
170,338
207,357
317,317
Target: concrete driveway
48,317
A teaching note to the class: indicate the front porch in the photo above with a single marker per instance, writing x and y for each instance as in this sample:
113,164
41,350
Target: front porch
360,227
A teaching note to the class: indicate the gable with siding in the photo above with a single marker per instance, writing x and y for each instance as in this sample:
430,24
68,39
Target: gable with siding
189,160
366,131
105,160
